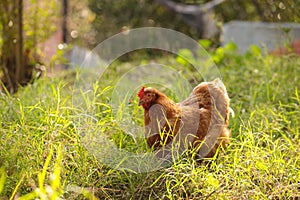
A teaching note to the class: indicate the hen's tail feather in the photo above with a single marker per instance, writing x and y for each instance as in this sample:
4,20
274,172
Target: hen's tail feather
214,96
231,112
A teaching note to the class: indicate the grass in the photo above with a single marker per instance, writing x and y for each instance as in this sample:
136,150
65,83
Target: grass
42,155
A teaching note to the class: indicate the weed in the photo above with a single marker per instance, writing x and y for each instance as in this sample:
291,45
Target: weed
42,155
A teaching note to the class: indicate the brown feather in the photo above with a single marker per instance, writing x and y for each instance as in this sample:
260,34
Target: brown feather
203,116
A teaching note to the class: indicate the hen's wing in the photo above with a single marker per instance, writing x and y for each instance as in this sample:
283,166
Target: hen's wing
211,101
162,127
212,96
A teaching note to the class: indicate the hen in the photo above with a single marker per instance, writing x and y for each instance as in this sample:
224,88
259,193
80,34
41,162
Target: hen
200,122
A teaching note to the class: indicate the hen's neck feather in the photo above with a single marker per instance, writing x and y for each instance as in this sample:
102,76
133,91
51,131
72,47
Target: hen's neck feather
171,109
166,102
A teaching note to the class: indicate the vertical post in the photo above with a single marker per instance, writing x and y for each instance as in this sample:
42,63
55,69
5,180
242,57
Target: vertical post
64,22
19,43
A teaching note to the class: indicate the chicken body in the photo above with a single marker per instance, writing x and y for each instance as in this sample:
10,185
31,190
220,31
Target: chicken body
199,122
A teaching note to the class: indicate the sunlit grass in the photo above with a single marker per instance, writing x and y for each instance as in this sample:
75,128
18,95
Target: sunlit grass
42,155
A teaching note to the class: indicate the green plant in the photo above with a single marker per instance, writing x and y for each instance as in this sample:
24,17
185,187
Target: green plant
39,138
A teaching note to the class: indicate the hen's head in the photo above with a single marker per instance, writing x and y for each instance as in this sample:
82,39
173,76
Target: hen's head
147,97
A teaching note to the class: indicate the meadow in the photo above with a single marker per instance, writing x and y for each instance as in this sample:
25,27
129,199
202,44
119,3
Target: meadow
42,155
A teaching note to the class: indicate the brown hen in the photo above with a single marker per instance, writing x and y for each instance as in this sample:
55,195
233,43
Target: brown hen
200,122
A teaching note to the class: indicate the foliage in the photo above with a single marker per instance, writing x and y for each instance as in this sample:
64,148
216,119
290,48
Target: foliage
12,61
114,17
264,10
270,11
80,23
40,21
24,25
41,153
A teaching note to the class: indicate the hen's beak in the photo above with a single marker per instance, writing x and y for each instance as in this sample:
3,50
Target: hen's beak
141,101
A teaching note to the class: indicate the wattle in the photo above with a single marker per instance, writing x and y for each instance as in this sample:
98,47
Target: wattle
146,106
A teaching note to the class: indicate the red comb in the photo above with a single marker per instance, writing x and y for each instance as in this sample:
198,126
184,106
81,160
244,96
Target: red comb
141,92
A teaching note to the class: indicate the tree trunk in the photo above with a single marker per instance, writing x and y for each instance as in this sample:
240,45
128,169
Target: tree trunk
64,22
19,43
7,56
15,71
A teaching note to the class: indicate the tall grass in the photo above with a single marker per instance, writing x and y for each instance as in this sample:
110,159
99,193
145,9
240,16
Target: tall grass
41,154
